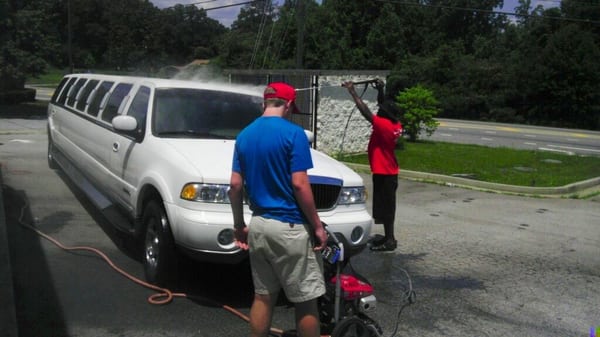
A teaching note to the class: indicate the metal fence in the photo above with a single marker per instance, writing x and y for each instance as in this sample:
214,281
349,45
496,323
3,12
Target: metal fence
307,84
305,99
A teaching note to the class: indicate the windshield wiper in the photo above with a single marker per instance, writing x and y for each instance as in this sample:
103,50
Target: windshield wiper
184,133
192,134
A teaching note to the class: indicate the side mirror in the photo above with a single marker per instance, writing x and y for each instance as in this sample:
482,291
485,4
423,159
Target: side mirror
310,135
124,123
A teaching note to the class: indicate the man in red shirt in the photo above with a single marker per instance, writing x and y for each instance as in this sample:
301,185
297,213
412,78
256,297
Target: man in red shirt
382,159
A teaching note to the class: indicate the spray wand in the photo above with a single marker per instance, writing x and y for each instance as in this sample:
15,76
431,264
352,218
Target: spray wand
372,81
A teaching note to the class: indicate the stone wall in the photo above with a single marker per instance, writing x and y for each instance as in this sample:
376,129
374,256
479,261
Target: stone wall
341,129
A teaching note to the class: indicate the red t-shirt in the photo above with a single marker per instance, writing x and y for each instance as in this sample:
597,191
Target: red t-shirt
382,144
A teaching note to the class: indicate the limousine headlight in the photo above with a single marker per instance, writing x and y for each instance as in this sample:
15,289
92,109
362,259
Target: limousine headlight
352,195
214,193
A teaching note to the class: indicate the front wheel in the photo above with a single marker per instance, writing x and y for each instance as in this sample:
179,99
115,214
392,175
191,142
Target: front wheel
353,327
159,254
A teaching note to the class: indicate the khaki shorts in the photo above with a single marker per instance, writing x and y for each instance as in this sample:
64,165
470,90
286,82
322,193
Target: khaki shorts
282,256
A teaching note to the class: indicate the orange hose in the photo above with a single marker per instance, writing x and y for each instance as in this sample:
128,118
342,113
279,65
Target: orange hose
162,295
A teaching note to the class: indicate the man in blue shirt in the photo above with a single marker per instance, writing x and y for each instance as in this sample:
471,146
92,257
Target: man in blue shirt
285,235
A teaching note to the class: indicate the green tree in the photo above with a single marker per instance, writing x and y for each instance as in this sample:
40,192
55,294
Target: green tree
281,52
453,20
384,41
419,108
344,28
570,82
187,28
26,41
244,45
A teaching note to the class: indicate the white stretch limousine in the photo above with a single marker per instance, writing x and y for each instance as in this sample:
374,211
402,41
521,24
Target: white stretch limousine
154,156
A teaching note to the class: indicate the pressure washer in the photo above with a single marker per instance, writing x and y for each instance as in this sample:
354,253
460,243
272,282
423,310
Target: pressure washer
349,299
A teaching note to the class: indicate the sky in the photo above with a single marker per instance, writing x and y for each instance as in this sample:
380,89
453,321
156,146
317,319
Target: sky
228,14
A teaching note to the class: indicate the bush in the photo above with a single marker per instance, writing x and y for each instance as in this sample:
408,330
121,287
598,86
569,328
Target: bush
17,96
419,107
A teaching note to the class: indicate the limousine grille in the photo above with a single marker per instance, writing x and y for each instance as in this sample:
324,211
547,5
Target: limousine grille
325,195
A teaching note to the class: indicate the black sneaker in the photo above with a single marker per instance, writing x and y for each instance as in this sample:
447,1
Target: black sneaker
377,240
387,246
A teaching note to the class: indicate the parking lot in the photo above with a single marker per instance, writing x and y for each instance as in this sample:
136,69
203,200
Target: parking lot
482,264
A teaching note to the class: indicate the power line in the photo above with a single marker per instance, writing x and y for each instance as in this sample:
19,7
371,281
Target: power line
219,7
232,5
201,2
193,4
268,45
489,11
261,29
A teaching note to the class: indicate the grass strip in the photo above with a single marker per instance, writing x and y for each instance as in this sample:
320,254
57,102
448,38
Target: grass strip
493,164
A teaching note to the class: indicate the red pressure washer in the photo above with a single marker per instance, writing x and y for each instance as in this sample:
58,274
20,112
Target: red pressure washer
345,307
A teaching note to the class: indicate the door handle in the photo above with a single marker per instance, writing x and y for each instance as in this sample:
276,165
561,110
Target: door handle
115,147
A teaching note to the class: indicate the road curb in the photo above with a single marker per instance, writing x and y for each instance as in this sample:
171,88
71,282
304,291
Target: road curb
8,314
561,191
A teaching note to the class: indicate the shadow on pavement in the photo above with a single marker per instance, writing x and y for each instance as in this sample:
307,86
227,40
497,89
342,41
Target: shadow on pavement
37,307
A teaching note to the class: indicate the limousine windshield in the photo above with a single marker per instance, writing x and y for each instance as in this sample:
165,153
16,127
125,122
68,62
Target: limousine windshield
199,113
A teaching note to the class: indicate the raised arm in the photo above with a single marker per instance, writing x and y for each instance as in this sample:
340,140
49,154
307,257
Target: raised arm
379,85
362,107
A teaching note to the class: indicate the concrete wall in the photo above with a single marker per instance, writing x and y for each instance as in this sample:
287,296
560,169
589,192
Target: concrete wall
340,126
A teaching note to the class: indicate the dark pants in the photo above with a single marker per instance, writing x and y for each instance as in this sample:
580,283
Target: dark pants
384,202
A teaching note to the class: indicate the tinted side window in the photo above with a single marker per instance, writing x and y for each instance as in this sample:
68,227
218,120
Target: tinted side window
63,95
58,89
74,91
85,92
115,100
94,107
139,108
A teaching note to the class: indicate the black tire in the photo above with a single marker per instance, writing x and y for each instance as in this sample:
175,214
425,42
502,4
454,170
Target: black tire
352,327
159,255
52,164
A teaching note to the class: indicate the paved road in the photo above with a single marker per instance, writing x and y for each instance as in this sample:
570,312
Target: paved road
581,142
482,264
43,92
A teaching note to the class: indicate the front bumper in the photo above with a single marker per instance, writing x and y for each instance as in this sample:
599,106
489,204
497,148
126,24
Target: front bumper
196,231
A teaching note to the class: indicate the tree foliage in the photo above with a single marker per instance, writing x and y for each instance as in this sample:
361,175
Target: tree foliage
540,66
26,43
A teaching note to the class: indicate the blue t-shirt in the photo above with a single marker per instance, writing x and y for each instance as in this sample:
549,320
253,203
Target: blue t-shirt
266,154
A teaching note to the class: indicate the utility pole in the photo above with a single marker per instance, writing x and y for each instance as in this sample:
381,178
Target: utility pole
300,19
69,33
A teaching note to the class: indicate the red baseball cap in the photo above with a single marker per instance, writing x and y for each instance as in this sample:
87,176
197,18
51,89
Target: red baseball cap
282,91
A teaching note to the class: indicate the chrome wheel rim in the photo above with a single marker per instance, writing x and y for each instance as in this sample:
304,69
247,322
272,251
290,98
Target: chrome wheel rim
152,244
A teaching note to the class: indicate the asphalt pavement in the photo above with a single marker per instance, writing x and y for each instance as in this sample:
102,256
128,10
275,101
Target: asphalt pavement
8,318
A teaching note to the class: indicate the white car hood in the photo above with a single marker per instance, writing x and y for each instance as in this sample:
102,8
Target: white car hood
212,161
